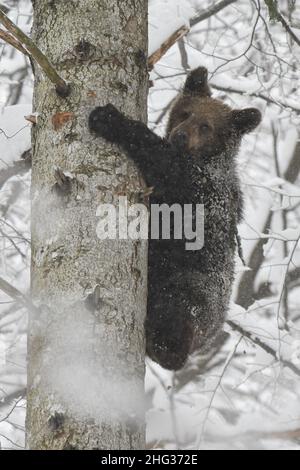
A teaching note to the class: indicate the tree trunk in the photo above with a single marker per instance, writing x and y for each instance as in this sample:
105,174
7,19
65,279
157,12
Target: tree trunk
86,336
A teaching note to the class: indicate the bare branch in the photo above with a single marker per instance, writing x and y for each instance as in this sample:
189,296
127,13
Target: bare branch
11,291
256,95
18,168
183,30
277,16
183,55
62,88
227,364
246,294
5,418
293,170
211,12
16,295
157,55
255,340
5,36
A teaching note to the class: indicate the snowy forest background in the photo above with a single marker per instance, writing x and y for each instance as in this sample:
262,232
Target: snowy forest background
247,395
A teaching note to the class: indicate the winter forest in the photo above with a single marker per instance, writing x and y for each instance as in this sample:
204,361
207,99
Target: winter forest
245,394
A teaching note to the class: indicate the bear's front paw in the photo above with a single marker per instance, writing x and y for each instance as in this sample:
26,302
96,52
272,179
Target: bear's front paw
103,120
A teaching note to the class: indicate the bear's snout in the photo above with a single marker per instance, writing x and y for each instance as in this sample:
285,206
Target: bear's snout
179,140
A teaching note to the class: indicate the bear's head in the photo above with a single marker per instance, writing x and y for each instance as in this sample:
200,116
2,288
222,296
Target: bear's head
205,127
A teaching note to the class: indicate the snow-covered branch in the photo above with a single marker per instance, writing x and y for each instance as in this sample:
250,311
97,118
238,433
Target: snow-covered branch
183,30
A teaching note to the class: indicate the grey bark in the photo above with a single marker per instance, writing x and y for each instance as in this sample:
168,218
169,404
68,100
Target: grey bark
86,337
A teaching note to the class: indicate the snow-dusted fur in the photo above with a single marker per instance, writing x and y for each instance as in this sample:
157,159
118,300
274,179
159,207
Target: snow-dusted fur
189,291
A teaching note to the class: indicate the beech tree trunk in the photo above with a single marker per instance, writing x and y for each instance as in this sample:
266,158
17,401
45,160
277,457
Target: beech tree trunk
86,334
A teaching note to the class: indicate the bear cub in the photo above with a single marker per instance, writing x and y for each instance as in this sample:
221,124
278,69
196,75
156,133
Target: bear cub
189,291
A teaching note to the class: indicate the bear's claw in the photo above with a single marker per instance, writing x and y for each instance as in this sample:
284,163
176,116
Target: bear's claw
102,119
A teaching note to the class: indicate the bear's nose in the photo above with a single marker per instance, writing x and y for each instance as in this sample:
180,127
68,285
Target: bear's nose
180,140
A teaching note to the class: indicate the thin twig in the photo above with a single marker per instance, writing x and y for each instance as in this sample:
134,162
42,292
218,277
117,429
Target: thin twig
62,88
184,55
211,12
254,339
227,364
12,409
256,95
277,16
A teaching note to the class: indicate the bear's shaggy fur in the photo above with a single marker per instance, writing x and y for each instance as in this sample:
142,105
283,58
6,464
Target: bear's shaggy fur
189,291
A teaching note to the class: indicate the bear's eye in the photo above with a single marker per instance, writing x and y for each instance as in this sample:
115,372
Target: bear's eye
204,128
185,115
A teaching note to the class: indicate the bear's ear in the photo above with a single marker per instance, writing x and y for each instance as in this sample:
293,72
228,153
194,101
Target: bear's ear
196,83
246,120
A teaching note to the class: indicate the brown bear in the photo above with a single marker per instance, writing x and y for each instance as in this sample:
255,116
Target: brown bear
189,290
